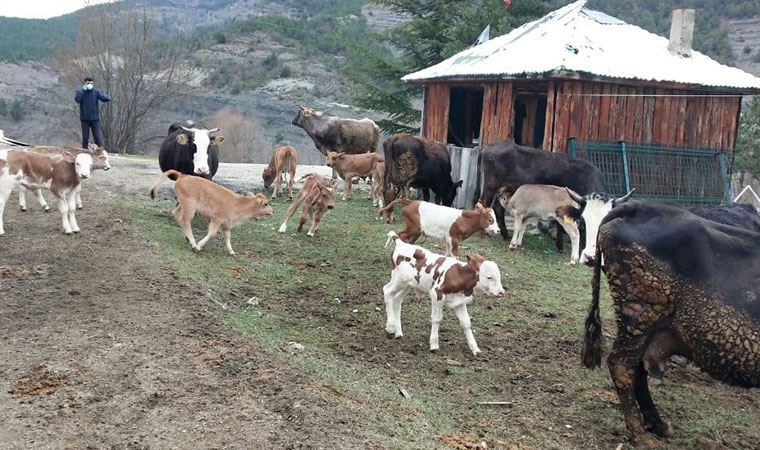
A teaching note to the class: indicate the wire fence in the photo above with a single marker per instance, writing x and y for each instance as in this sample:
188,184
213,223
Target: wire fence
685,176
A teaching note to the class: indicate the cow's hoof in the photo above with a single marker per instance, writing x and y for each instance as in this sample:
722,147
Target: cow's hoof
23,209
476,352
76,231
660,428
390,329
231,252
283,229
68,232
47,210
310,234
80,207
512,247
196,249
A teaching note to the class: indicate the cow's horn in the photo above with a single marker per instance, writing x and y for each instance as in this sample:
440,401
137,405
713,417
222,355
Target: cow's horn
187,129
624,198
579,199
213,130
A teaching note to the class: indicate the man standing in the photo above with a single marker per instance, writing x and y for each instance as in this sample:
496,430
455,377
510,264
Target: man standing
89,112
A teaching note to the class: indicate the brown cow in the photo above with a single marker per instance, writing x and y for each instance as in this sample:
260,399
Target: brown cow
224,208
317,195
284,160
350,166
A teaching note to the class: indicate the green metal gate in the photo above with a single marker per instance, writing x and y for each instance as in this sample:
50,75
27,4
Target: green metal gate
684,176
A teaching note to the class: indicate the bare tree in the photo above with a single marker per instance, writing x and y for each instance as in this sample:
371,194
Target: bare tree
120,50
242,142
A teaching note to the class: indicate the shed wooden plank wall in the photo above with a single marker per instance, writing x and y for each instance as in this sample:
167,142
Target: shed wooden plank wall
692,122
496,122
436,121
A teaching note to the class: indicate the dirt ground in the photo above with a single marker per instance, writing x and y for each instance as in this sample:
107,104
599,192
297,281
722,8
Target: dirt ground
103,347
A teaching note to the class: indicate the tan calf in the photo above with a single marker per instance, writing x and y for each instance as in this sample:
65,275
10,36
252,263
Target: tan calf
224,208
284,160
378,177
350,166
317,196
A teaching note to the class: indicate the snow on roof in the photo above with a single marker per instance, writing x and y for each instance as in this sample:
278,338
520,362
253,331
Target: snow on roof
577,40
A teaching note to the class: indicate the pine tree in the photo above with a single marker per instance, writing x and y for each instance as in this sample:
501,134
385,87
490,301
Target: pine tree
748,141
437,29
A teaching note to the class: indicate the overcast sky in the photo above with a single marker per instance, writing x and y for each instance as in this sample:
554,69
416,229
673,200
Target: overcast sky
43,9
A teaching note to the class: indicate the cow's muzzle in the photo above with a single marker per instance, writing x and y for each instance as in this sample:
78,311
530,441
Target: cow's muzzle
83,176
330,206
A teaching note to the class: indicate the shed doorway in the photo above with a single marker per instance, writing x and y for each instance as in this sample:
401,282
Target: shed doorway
530,118
465,111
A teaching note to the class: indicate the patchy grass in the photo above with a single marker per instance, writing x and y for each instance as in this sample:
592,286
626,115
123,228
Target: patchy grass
326,293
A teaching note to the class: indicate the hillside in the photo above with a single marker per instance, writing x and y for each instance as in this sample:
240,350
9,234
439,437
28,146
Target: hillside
257,60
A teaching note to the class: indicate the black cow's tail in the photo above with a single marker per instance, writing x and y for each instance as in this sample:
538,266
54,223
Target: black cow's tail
591,355
170,174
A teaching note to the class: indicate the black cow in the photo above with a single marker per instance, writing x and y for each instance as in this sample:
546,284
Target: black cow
738,215
192,151
682,285
508,165
416,162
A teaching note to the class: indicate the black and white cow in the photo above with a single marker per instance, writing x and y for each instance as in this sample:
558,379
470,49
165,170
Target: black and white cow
192,151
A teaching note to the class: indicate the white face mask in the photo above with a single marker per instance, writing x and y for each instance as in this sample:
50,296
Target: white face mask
89,86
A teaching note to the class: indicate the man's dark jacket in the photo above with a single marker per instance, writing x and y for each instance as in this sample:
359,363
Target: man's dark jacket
88,103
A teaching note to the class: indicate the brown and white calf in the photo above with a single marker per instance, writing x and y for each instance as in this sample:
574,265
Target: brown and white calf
351,166
284,160
441,222
99,161
444,280
61,175
544,202
378,177
224,208
317,196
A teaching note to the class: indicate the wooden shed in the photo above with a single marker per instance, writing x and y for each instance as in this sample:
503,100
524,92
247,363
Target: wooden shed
578,73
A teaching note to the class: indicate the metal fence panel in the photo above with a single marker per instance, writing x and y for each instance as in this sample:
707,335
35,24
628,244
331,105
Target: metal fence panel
684,176
464,166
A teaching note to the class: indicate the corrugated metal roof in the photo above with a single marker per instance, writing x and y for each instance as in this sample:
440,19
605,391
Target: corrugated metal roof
578,40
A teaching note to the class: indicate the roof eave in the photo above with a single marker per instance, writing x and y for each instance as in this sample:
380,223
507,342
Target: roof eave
559,75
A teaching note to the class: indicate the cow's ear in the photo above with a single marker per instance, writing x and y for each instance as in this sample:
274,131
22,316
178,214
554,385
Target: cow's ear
458,184
69,156
475,261
217,140
182,139
479,206
341,155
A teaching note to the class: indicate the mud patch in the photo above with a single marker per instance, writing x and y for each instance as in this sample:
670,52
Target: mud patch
471,441
39,381
12,272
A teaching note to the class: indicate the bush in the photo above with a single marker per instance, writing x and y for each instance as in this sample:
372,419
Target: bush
220,37
285,72
17,110
271,61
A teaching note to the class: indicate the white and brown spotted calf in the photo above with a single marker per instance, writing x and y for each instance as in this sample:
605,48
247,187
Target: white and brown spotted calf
99,161
223,208
61,175
351,166
444,280
544,202
441,222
